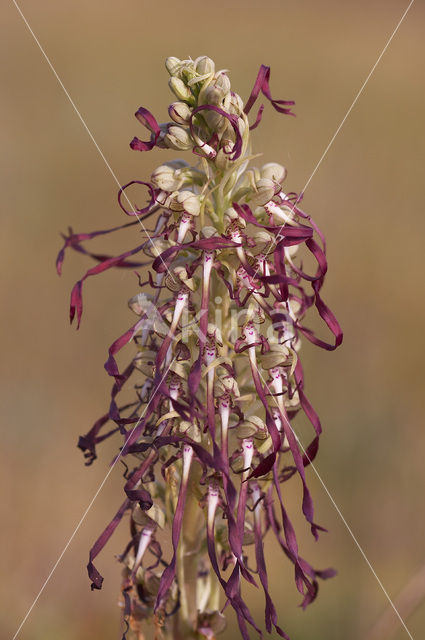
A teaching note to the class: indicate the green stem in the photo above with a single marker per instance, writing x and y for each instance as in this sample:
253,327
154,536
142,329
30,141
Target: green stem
188,561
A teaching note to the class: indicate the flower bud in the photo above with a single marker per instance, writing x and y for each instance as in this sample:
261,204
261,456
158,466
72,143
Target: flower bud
263,238
246,430
216,92
204,65
231,217
265,190
178,138
278,355
191,430
166,177
179,112
185,201
208,232
156,246
222,82
180,90
172,65
213,95
154,515
225,385
190,202
163,178
273,171
182,275
236,104
252,426
172,281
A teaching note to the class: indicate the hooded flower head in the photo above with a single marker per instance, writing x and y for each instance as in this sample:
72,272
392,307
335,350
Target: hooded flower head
214,364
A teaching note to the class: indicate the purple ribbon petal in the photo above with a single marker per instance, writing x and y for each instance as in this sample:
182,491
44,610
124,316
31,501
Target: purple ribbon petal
147,120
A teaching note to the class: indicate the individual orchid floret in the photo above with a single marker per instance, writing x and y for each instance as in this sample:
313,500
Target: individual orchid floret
180,89
180,112
273,171
206,403
171,176
178,138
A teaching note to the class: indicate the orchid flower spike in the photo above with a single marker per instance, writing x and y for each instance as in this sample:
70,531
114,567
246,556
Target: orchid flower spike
214,379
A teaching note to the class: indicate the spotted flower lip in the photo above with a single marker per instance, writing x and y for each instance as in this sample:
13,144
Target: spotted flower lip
215,368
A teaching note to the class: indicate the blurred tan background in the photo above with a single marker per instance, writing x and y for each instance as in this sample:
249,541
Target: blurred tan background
368,197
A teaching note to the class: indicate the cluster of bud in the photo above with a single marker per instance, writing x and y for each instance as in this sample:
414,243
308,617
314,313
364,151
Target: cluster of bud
208,117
